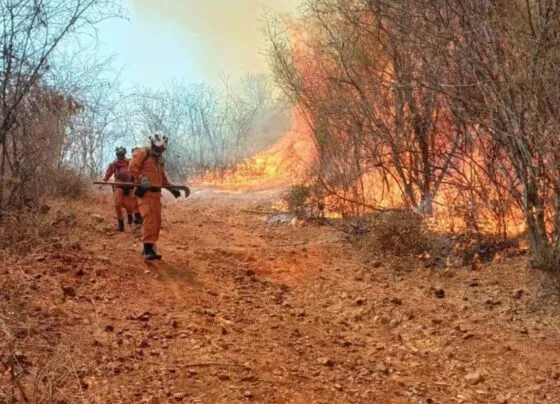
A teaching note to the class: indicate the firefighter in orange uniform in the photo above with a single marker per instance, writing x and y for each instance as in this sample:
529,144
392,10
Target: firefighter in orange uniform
123,197
147,165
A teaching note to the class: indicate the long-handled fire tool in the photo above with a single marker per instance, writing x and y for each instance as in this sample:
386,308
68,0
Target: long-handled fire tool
183,188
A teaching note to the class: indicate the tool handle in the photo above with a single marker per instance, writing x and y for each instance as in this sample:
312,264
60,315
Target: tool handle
132,184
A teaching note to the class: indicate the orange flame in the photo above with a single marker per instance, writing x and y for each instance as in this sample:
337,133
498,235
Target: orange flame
295,156
286,162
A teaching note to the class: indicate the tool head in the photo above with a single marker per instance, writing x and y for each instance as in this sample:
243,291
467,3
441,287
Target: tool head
183,188
187,191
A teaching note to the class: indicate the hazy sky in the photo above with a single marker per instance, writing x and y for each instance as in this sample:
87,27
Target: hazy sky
194,39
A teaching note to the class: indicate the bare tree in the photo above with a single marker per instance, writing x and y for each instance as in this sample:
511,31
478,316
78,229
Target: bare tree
368,98
31,31
504,64
208,129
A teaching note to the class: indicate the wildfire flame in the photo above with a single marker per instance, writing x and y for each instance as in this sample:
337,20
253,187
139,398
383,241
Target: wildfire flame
294,157
286,162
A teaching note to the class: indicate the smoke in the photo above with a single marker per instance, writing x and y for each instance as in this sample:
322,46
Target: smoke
228,36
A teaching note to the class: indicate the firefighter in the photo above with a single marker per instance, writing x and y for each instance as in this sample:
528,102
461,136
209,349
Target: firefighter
147,165
122,195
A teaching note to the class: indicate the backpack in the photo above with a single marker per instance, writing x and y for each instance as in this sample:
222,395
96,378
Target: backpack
139,191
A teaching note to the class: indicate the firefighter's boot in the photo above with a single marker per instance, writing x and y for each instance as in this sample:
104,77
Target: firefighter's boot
120,225
149,253
129,220
157,255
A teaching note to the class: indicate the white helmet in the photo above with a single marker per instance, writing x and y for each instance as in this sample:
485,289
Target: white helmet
159,141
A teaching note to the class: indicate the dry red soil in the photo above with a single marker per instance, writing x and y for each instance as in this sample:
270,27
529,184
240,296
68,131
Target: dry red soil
240,310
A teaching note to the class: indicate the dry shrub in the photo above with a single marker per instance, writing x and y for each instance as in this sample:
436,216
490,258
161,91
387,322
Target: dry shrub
403,233
26,231
304,201
545,298
399,232
460,250
29,227
549,286
297,199
547,261
67,183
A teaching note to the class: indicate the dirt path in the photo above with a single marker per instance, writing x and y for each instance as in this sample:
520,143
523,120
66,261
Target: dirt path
240,310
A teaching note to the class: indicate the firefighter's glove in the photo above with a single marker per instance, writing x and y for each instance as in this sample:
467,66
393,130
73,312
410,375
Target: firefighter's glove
175,192
145,183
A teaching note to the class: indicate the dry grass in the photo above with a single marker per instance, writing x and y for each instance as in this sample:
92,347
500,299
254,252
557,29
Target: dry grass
27,231
402,234
68,184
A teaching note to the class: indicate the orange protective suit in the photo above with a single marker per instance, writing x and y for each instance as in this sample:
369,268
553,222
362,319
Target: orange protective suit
145,164
119,168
